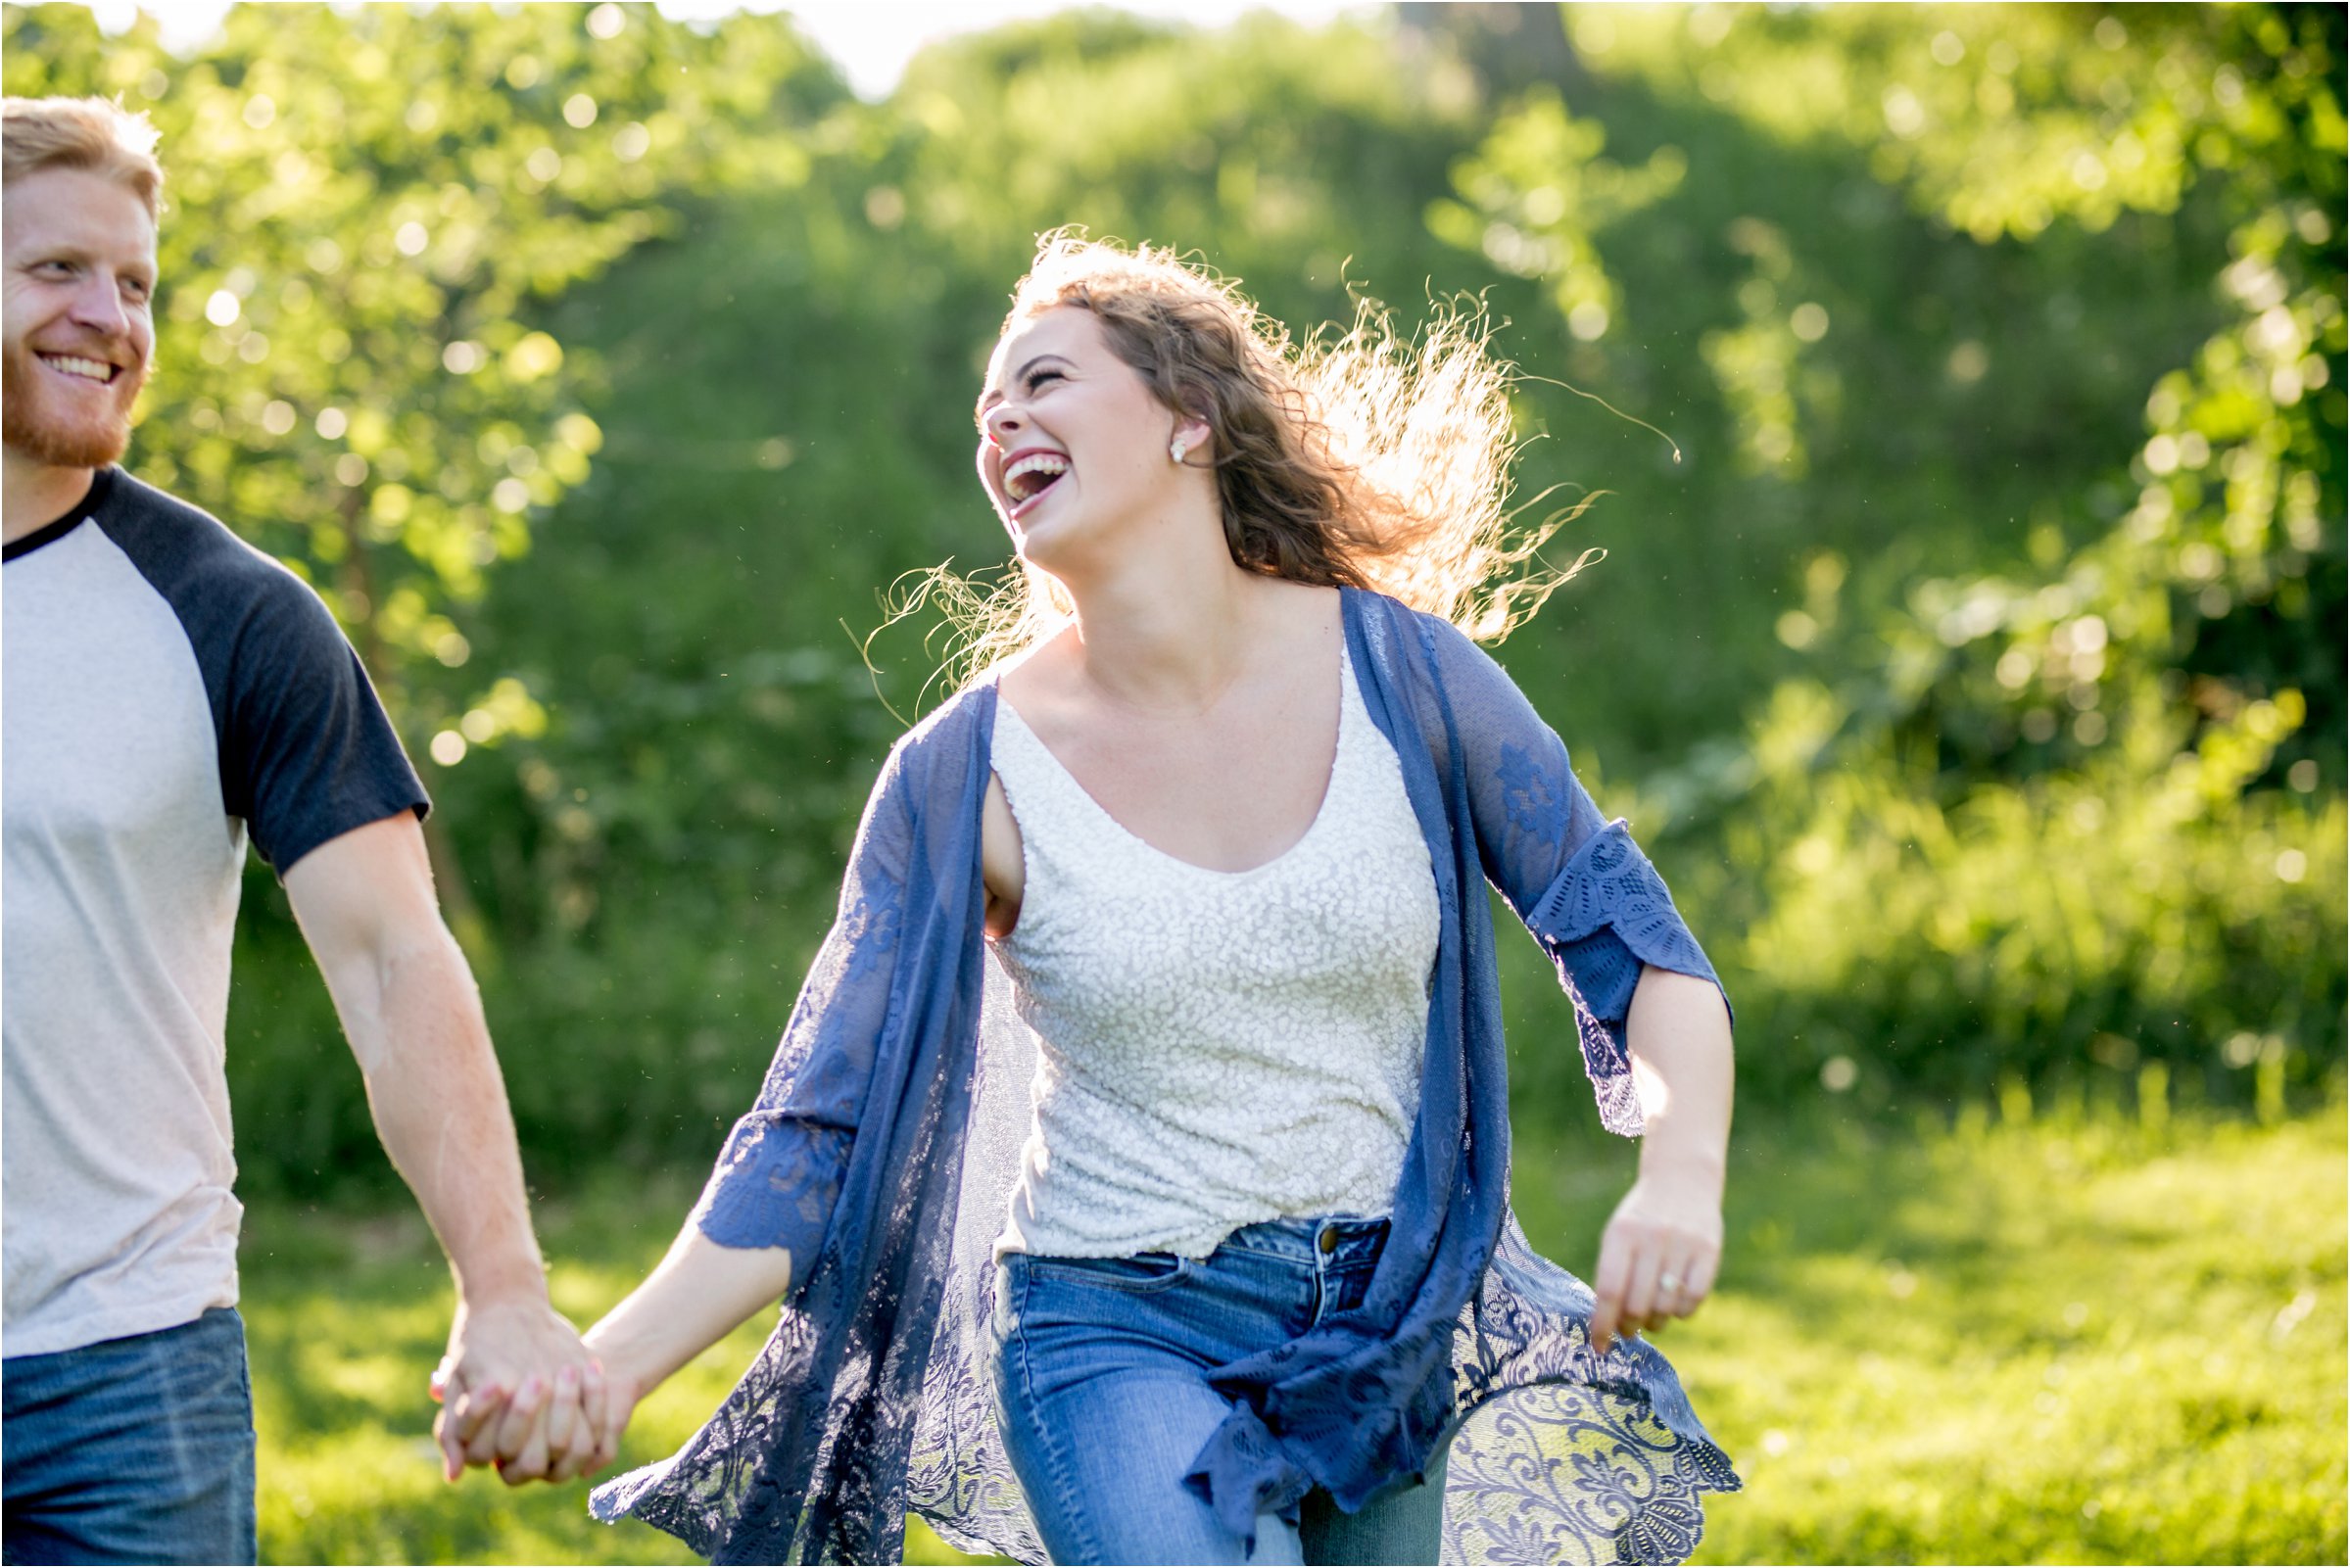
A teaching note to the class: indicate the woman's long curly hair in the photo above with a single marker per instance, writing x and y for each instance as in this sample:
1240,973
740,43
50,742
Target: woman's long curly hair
1366,460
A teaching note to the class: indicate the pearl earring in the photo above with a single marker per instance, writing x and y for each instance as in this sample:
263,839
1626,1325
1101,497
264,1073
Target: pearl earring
1177,450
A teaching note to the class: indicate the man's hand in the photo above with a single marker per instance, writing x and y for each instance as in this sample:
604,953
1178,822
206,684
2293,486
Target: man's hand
520,1391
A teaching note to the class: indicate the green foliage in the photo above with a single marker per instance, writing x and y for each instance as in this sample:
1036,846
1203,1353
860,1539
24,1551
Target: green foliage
1537,191
1967,649
361,207
2060,928
2075,799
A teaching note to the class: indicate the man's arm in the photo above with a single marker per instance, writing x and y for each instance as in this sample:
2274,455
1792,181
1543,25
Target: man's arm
407,1001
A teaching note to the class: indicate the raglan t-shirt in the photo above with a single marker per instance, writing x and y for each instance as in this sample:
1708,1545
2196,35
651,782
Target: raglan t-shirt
166,691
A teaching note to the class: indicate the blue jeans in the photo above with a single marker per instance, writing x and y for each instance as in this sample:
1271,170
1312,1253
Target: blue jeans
136,1450
1103,1399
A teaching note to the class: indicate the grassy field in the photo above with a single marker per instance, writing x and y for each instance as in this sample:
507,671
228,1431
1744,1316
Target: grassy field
2057,1341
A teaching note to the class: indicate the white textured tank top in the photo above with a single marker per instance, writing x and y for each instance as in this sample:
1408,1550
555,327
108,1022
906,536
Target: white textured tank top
1215,1048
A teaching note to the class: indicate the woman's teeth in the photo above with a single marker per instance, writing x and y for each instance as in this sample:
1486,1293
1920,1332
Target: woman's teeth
1032,475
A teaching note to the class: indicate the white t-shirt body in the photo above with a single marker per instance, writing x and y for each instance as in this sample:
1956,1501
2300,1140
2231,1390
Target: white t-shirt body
167,690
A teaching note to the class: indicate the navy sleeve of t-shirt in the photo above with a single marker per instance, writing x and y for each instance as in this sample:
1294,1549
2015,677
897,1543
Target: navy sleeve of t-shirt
306,752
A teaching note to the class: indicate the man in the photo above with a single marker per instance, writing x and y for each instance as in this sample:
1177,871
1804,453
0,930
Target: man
168,691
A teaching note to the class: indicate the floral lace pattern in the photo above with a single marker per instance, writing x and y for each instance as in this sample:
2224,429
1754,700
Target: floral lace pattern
1606,917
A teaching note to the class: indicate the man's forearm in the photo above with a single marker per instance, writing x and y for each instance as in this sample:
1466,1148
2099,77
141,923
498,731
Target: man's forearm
440,1108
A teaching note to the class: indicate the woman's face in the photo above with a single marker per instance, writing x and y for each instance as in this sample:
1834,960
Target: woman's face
1072,443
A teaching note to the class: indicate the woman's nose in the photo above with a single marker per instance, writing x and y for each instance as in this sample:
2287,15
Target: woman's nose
1002,422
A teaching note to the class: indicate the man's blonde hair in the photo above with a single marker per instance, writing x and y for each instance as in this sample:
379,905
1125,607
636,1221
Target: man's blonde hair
95,134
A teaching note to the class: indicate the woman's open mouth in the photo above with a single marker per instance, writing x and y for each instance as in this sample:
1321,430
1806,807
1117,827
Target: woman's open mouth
1029,474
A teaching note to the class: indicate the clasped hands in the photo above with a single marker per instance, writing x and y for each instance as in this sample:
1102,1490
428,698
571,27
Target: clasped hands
520,1391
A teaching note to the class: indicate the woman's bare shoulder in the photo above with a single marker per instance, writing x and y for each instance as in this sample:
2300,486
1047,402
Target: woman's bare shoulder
1042,678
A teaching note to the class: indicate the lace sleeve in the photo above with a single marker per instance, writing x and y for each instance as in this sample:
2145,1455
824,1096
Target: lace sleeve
1582,886
778,1176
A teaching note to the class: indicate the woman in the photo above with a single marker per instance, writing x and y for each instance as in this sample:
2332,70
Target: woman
1205,1256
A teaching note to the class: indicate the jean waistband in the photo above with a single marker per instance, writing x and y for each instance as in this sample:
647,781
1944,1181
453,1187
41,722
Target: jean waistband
1332,1239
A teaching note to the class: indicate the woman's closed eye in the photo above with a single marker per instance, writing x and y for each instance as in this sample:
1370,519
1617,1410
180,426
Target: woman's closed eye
1039,377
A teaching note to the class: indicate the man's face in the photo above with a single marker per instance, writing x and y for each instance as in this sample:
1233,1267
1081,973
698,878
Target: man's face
77,296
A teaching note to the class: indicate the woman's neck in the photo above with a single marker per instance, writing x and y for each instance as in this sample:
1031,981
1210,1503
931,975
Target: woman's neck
1169,626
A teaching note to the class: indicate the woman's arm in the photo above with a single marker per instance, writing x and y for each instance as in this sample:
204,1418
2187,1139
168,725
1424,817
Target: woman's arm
700,1293
1590,898
1654,1024
771,1197
1660,1250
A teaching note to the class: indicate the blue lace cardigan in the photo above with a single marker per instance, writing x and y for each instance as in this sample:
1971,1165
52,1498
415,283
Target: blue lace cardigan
883,1144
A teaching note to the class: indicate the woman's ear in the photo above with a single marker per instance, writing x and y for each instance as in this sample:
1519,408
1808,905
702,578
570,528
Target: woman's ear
1195,440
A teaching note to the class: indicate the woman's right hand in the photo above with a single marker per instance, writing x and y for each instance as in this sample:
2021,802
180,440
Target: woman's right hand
625,1387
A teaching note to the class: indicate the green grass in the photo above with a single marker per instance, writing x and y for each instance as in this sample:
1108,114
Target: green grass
2075,1341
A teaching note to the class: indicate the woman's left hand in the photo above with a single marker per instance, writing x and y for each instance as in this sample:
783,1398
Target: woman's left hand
1657,1256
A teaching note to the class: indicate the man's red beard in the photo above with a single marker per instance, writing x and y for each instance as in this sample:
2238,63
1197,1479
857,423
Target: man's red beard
33,425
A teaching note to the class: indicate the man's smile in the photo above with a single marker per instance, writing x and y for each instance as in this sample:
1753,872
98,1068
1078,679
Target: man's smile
76,366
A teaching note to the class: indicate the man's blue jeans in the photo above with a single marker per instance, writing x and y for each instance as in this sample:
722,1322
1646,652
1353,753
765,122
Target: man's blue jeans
136,1450
1103,1401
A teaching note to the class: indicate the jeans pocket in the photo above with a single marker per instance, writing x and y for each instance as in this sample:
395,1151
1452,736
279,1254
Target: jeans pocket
1142,1274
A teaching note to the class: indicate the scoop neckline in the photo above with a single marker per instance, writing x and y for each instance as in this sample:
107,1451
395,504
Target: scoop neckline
1321,810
